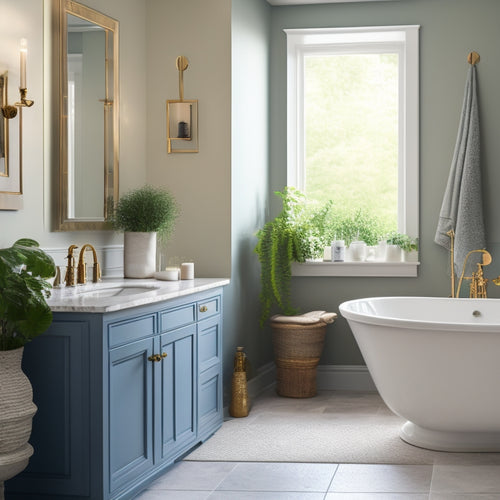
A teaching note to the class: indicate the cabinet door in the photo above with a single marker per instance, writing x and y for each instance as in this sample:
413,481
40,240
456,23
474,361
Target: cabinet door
177,392
57,364
210,411
130,424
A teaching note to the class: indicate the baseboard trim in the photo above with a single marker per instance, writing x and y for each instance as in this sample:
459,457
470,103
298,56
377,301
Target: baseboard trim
265,378
344,378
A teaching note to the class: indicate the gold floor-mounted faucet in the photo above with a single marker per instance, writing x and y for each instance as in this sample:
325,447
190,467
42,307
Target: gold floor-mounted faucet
478,283
82,266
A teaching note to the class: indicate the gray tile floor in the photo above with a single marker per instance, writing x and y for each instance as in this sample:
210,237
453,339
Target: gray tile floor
472,478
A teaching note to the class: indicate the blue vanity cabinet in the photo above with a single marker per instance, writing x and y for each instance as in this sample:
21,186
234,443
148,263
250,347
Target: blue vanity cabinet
210,410
120,397
130,413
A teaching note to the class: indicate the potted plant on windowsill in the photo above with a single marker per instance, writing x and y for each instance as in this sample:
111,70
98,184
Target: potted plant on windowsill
292,236
144,214
396,244
24,314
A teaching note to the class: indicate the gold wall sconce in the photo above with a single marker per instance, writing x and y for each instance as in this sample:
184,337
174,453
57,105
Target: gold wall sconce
182,117
10,111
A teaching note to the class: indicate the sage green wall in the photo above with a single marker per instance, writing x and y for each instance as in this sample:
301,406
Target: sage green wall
250,40
450,29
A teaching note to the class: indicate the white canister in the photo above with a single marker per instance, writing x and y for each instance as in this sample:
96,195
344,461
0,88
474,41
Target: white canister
187,271
358,251
338,251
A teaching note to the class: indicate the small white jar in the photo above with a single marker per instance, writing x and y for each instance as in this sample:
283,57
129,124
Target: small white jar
358,251
338,251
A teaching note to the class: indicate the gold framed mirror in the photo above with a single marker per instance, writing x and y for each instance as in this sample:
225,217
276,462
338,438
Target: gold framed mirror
4,127
89,117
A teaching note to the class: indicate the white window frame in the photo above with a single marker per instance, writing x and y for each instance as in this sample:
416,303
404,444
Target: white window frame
375,39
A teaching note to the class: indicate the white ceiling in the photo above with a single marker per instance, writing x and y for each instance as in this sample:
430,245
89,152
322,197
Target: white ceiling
310,2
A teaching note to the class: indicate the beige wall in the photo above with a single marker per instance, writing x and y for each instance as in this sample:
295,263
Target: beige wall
201,182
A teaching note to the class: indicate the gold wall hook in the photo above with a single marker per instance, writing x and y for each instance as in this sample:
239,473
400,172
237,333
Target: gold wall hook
181,63
473,58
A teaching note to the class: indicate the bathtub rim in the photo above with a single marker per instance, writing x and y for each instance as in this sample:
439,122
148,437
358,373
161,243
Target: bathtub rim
421,324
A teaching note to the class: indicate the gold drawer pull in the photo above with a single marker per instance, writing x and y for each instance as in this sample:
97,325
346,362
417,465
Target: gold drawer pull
203,309
155,358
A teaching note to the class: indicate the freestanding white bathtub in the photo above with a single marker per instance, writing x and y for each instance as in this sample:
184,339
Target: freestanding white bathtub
436,363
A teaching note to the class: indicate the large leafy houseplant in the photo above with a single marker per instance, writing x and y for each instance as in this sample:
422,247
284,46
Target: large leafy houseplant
24,313
293,236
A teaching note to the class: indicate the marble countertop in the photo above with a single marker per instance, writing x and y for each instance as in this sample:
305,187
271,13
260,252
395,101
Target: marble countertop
116,294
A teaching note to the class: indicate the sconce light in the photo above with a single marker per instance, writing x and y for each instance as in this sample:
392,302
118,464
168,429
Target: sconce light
8,110
182,117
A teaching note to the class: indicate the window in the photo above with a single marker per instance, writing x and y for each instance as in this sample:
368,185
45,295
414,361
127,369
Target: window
353,119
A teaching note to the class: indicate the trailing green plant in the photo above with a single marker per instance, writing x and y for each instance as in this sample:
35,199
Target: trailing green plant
24,313
293,236
146,209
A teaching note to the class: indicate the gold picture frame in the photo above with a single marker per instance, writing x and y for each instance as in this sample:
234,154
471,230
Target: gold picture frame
11,196
182,126
4,128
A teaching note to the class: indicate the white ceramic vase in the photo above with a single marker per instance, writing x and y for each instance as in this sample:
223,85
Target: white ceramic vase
16,416
393,253
411,256
139,255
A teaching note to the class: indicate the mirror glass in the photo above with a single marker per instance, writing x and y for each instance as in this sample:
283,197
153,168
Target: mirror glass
89,117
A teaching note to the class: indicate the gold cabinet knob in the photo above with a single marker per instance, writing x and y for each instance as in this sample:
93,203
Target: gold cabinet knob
155,358
203,309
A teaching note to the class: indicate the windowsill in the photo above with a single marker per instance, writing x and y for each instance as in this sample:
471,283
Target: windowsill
366,269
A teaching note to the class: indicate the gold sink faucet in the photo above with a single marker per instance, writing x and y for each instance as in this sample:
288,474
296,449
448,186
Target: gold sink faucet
82,266
69,278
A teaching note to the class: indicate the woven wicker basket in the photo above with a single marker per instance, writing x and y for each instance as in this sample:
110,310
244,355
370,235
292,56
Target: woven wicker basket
297,350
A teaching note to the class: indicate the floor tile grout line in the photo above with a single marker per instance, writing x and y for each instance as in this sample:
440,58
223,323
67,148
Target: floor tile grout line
331,481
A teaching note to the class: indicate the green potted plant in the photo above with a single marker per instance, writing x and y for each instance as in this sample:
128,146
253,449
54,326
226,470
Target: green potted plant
24,314
293,236
144,214
397,243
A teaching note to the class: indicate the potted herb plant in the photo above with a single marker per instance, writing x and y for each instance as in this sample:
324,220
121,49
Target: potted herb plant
144,214
24,314
397,243
293,236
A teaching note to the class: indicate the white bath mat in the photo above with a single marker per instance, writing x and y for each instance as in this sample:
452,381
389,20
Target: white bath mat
333,427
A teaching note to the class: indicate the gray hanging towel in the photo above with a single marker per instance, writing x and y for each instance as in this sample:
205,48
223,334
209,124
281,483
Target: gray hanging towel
462,208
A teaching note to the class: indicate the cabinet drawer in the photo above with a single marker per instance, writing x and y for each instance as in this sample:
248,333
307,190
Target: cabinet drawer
208,308
132,329
209,344
175,318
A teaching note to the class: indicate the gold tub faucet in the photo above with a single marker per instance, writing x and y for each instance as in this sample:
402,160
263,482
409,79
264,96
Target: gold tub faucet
478,282
82,266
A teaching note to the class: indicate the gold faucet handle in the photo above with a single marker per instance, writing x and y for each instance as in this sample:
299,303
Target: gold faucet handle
81,278
96,273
